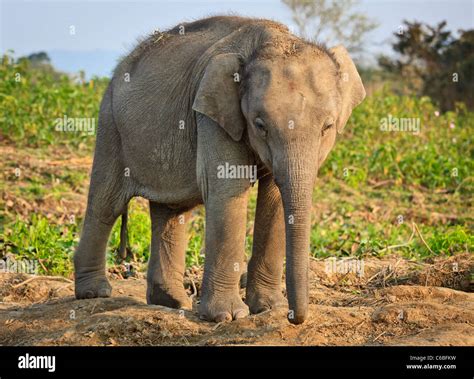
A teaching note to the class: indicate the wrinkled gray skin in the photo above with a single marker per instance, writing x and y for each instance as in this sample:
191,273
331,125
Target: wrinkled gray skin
281,112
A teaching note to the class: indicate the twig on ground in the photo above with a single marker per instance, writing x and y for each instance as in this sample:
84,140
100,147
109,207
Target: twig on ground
358,324
382,272
42,265
462,182
218,325
422,239
194,294
402,244
392,272
64,287
382,183
380,335
374,276
42,277
416,230
93,307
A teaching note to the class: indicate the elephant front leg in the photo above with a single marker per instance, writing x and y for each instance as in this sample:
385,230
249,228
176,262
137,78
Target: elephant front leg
265,268
167,261
224,264
225,197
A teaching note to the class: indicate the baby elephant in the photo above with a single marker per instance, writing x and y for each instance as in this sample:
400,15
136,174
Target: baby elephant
196,115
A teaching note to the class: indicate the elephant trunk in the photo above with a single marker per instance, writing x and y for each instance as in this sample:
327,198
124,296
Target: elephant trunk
296,186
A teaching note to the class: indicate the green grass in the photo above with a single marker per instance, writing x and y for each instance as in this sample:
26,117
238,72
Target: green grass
370,179
40,240
348,239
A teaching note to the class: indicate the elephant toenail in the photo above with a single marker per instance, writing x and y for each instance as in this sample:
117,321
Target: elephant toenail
104,292
89,294
241,313
223,316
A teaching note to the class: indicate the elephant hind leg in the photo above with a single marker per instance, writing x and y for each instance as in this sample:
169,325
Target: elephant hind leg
108,198
89,260
106,202
167,260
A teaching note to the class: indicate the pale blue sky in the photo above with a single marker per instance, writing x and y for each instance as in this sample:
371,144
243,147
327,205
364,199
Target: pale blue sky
106,29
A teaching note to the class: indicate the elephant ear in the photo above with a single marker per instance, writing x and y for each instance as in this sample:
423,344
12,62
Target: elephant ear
352,89
218,94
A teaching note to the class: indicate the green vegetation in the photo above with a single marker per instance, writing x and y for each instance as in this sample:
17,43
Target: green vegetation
32,99
380,192
438,157
41,240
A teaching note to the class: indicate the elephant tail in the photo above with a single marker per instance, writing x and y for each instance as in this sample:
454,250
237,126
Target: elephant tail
123,235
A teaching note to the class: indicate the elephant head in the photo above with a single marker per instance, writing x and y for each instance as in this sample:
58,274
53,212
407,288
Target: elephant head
290,101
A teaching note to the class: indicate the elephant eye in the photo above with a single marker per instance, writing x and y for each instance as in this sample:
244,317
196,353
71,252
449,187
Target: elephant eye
260,126
325,128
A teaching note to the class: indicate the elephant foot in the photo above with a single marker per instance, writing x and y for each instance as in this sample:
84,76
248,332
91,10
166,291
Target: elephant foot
260,300
175,297
222,307
92,286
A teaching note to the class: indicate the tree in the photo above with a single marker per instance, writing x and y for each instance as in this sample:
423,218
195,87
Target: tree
331,21
38,58
434,62
40,61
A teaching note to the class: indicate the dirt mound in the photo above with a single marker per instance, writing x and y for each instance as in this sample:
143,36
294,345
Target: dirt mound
386,305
